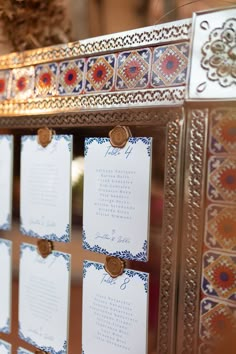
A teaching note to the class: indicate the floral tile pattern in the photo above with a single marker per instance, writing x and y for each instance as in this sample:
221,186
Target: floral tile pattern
71,75
4,84
22,85
221,227
222,179
46,79
219,275
170,65
100,73
217,318
133,69
223,131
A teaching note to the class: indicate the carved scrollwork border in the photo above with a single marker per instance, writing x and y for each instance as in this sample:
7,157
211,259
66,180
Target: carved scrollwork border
142,117
192,231
152,97
163,33
168,277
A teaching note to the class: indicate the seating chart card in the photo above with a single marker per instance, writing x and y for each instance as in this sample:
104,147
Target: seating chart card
5,347
44,299
5,285
114,311
6,168
117,197
46,188
23,351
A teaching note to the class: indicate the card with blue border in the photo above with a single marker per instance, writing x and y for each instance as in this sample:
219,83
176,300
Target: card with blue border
6,168
117,197
44,293
114,311
45,205
5,285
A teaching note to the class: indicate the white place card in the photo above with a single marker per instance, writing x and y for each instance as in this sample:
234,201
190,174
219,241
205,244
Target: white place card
21,350
117,197
114,311
5,347
45,205
44,299
6,168
5,285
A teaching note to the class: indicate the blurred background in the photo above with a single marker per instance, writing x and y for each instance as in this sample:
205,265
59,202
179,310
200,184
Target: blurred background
28,24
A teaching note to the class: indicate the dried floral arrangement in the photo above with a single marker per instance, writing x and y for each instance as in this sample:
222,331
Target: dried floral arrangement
30,24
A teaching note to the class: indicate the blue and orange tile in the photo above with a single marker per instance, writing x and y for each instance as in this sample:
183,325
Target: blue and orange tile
220,231
133,69
169,65
216,319
219,275
100,73
22,83
71,77
222,179
46,79
4,84
223,131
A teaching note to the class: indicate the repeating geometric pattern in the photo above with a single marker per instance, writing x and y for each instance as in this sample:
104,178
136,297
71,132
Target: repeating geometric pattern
46,79
222,179
216,319
223,131
71,75
4,84
22,84
221,227
133,69
170,65
219,275
100,73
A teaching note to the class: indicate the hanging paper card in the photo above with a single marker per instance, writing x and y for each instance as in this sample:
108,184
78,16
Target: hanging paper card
117,197
6,168
5,285
44,299
114,311
5,347
45,205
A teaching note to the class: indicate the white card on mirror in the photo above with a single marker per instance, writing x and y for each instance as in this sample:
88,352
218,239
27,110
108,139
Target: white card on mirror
44,293
115,311
45,204
21,350
5,347
6,168
5,285
117,197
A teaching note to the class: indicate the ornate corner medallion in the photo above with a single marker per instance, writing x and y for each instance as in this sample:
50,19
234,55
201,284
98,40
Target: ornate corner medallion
212,73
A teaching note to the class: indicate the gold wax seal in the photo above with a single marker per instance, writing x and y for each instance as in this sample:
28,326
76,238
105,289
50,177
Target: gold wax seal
44,136
45,247
114,266
119,136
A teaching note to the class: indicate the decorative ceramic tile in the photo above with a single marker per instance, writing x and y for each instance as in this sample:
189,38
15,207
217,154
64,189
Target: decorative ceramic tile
216,319
170,65
219,275
133,69
221,227
212,73
222,179
100,73
223,131
46,79
71,74
4,84
22,85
